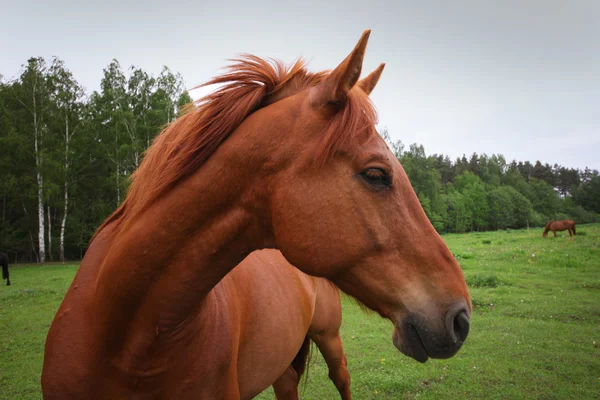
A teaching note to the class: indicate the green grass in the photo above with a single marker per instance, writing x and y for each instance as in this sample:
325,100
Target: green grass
535,330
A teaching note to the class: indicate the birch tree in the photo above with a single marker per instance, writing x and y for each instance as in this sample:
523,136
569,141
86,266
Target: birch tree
68,100
31,92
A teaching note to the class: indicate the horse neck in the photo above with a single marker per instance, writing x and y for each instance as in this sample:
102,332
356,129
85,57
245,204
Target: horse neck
160,266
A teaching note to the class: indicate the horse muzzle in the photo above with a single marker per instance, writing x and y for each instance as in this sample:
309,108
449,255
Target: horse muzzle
420,338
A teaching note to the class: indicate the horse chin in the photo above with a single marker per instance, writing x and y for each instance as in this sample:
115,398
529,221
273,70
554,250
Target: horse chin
410,344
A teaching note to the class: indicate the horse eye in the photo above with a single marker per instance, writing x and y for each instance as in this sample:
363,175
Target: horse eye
377,178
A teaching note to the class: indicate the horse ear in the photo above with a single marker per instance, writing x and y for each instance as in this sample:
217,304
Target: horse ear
334,89
368,83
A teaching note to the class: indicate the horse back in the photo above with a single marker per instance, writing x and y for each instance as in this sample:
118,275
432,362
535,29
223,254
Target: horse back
564,224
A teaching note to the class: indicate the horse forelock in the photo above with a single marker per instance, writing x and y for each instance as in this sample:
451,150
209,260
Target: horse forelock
250,83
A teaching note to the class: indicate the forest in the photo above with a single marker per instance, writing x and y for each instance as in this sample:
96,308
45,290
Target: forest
66,157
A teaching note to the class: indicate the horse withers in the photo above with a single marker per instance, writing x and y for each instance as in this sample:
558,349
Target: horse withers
565,225
4,263
277,157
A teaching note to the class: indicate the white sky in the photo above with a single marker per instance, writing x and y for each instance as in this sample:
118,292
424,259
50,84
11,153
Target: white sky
515,77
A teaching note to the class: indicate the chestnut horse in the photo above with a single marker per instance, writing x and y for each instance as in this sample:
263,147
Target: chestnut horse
280,298
275,158
4,263
565,225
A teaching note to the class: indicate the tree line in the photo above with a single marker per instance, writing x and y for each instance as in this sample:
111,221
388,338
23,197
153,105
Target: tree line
66,156
488,193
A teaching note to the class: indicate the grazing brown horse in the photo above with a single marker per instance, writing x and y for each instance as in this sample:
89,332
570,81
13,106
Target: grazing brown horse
565,225
4,263
275,158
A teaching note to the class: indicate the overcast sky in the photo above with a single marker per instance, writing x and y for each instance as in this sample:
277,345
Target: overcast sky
515,77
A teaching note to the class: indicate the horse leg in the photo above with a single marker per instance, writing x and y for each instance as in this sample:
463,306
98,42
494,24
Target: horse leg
574,231
5,274
554,233
286,386
570,232
332,350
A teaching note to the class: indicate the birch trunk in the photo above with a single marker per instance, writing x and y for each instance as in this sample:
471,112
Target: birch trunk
41,233
30,235
118,172
63,223
40,179
49,214
118,186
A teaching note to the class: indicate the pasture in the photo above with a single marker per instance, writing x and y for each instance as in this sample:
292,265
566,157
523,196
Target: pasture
535,329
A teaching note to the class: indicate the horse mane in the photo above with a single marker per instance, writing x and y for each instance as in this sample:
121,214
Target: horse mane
250,83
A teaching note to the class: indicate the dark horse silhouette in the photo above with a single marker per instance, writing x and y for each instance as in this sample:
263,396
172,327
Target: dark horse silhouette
566,225
4,263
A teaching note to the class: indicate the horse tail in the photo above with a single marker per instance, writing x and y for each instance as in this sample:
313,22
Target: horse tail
302,359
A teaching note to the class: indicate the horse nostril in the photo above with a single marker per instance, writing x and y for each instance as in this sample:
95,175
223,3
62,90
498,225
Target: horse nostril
457,323
461,326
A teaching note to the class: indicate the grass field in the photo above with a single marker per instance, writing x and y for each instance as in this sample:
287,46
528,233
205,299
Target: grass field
535,331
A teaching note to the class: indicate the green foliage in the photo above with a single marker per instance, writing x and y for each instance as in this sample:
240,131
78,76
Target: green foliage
588,195
459,216
581,215
538,219
475,200
543,197
87,148
507,208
